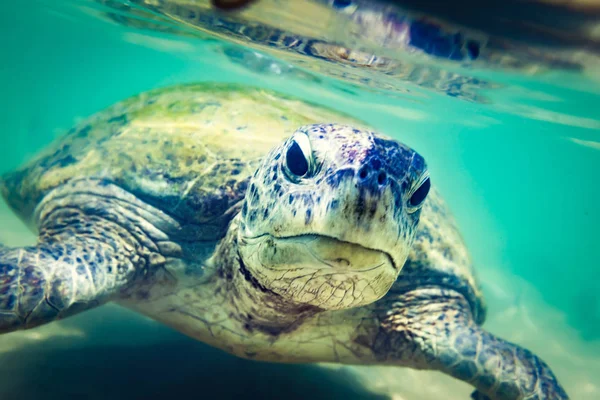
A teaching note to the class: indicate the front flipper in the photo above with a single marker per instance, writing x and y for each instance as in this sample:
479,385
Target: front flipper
432,328
96,243
78,263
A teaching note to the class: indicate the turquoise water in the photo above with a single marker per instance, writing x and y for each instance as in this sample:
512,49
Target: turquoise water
520,174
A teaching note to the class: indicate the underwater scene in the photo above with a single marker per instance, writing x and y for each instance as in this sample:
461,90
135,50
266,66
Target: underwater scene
317,199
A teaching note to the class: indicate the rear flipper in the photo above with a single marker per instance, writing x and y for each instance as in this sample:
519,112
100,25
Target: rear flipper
432,328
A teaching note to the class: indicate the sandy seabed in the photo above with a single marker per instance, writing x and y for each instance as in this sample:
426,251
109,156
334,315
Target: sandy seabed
113,353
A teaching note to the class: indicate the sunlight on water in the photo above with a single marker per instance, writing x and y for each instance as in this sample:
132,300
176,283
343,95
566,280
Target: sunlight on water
516,155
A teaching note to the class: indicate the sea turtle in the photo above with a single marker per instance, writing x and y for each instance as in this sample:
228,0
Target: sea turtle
264,225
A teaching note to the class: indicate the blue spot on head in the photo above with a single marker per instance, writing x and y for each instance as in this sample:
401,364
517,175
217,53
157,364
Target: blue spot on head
334,179
376,163
308,216
334,204
418,162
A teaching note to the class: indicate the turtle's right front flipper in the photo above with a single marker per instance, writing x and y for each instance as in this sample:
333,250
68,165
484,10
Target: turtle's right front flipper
96,242
70,270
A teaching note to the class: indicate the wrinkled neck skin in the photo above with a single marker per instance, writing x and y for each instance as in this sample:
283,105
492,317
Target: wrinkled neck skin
258,308
214,299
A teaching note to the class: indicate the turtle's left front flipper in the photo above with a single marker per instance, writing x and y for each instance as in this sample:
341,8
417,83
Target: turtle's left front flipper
433,328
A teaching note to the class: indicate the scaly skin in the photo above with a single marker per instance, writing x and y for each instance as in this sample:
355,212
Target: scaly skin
238,251
93,244
433,328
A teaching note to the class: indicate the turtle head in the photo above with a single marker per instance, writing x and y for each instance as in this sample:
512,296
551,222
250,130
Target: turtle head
330,216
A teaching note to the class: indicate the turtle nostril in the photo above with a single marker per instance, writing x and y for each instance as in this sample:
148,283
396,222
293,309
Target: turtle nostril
382,178
363,173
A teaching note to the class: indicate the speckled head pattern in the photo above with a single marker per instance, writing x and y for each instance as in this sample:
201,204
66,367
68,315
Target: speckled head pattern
330,216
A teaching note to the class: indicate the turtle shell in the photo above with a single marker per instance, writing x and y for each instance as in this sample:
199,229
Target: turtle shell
188,150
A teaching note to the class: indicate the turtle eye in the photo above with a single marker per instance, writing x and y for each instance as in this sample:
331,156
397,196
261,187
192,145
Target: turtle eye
298,158
296,161
419,195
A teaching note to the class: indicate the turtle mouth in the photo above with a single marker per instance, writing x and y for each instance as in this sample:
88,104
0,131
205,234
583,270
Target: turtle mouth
331,259
320,270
